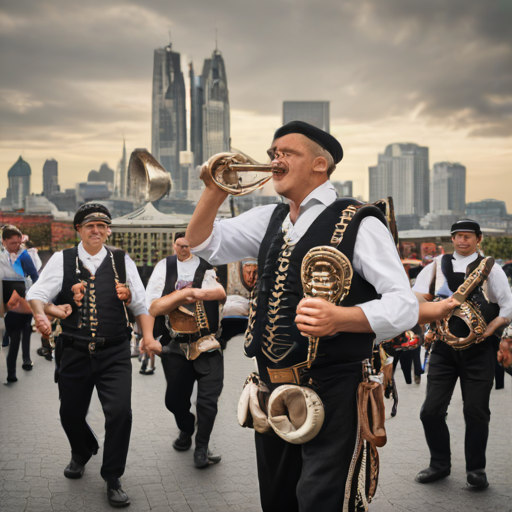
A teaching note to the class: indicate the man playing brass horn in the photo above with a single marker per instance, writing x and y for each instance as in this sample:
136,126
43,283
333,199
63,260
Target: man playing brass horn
473,365
316,475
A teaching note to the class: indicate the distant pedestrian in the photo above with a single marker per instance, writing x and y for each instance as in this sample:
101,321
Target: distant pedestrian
15,267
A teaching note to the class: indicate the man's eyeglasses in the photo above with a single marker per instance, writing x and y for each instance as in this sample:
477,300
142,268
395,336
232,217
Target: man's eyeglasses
277,155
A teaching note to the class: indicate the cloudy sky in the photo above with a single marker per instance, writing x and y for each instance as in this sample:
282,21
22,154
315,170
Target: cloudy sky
76,76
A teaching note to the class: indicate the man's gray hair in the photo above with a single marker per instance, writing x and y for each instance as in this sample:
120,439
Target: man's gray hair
317,151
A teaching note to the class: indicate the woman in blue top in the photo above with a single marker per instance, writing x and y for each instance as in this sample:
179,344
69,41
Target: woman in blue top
15,266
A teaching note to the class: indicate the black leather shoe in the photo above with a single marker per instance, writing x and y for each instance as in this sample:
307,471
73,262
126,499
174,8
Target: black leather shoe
28,365
115,494
477,479
11,377
431,475
183,443
204,457
74,470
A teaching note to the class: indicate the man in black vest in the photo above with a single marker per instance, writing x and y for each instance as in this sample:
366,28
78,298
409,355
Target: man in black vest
316,475
94,347
474,365
182,288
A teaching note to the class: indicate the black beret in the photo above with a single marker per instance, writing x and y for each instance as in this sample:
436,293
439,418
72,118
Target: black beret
92,212
467,225
324,139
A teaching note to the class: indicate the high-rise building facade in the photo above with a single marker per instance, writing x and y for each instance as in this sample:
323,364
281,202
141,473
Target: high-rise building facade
19,184
50,177
343,188
168,123
122,167
216,131
448,188
196,115
312,112
402,172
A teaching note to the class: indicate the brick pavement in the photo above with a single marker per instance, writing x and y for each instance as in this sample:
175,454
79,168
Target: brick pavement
34,452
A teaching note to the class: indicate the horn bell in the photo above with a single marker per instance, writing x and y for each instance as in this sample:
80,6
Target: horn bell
148,181
237,174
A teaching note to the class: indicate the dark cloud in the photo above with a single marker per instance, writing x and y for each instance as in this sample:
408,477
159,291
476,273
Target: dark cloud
67,65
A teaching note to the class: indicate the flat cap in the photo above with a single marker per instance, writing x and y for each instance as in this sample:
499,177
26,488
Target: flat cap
323,139
92,212
467,225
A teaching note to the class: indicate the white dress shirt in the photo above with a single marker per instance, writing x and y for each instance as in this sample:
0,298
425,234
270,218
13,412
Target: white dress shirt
375,257
49,283
186,272
497,287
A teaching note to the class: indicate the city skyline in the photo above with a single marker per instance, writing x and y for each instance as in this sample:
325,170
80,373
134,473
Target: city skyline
435,75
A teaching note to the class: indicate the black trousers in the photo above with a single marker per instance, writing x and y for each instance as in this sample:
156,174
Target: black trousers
475,369
312,477
180,373
110,370
407,358
18,328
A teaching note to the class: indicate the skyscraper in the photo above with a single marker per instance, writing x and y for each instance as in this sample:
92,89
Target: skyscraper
196,115
168,126
50,177
215,109
19,183
122,173
448,188
312,112
402,172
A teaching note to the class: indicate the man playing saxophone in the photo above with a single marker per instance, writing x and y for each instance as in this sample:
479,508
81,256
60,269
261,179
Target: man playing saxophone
474,364
319,474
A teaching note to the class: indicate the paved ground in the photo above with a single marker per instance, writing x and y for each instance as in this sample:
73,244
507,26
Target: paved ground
34,452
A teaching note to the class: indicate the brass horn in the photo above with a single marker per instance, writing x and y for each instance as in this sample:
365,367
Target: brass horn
228,173
148,180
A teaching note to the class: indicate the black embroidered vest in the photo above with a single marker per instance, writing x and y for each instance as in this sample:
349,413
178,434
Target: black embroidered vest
272,335
110,310
211,307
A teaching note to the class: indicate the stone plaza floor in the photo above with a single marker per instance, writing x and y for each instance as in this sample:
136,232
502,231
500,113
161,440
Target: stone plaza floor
34,451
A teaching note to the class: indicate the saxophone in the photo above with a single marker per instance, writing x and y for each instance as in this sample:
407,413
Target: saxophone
468,312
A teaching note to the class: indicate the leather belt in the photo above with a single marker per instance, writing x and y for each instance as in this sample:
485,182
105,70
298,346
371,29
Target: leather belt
89,344
291,375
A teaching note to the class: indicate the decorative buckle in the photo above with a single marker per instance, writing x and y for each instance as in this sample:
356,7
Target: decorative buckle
92,347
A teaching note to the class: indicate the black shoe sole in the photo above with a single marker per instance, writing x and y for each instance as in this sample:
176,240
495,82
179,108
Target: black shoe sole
477,487
181,448
439,476
73,476
118,505
27,367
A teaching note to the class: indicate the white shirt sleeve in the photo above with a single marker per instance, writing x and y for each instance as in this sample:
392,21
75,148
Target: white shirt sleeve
210,280
138,303
498,291
49,284
423,279
156,282
236,238
376,260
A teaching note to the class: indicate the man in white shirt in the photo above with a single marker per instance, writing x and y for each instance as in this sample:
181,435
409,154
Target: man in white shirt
316,475
474,365
182,290
94,347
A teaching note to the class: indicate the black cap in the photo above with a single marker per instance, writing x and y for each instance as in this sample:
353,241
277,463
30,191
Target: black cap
92,212
467,225
324,139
